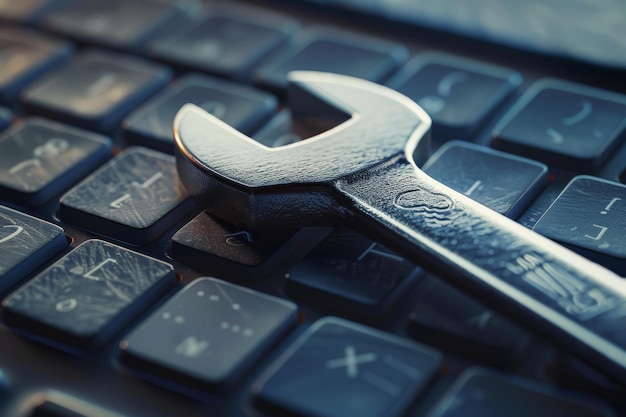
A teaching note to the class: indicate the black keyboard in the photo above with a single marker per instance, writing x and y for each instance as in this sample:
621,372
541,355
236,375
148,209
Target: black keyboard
122,297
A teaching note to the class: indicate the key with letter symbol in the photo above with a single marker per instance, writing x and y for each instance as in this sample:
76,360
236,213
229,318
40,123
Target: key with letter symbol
364,172
82,299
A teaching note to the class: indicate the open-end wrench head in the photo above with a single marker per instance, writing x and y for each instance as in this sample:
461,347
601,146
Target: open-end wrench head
245,182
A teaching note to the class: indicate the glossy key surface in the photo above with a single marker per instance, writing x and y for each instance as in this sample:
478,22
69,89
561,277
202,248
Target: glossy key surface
459,94
78,302
566,125
349,369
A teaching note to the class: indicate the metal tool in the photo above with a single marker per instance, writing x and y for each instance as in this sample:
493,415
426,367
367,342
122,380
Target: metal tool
363,172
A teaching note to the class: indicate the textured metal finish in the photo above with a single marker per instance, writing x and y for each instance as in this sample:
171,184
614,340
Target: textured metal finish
347,174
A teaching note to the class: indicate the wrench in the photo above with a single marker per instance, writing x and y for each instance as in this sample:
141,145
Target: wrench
365,172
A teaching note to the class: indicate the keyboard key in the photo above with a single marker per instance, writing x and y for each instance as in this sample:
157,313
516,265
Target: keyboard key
590,216
240,106
26,243
40,159
325,49
24,56
84,298
133,198
121,24
226,43
481,393
450,320
217,248
503,182
458,94
208,334
338,368
565,125
96,90
351,275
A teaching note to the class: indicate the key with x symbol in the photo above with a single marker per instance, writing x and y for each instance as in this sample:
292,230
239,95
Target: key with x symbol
364,172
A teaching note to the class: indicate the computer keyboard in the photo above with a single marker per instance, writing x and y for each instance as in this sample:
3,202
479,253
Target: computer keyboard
122,297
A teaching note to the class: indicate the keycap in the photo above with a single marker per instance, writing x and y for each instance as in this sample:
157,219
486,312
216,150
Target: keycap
450,320
459,94
352,275
319,49
590,216
228,43
339,368
240,106
40,159
83,299
208,334
565,125
482,393
26,242
96,90
134,198
25,56
503,182
220,249
122,24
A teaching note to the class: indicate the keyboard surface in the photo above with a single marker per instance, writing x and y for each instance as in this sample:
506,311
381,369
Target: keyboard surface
122,297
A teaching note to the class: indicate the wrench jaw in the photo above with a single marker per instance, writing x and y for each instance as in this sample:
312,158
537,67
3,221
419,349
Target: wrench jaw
245,182
248,206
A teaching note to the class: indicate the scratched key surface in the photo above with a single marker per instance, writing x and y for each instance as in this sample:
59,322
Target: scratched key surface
590,215
41,158
25,243
134,197
208,334
339,368
84,297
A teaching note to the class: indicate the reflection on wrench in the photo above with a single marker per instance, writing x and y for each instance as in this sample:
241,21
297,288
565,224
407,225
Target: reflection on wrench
364,172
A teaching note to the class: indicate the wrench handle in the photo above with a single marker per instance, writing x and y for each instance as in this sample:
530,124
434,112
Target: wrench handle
579,304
